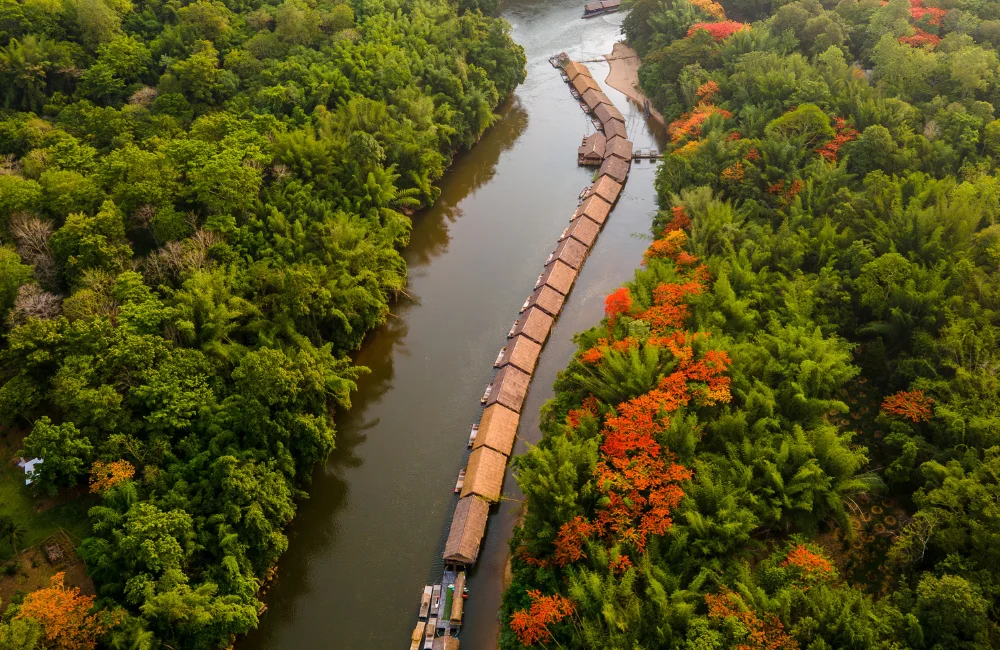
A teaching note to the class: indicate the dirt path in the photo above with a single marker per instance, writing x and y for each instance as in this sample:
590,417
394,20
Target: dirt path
624,76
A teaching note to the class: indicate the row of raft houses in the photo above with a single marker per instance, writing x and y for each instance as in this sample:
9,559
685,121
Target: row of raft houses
492,439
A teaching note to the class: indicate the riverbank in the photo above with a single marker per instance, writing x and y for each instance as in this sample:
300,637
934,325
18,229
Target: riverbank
624,77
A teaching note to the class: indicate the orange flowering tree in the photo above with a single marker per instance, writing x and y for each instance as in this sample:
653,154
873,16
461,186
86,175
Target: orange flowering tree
845,134
617,303
689,125
757,633
105,475
920,38
720,31
532,625
813,567
913,405
64,614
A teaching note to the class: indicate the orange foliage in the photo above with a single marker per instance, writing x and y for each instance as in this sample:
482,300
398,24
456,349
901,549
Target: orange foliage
593,355
814,566
753,155
620,566
688,125
669,245
64,614
918,11
844,135
707,90
913,405
680,220
713,9
105,475
617,303
760,635
569,542
720,31
733,173
921,39
587,409
532,625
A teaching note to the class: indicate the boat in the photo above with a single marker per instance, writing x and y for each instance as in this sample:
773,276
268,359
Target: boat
472,436
460,482
425,602
436,599
496,364
429,632
486,394
527,301
513,327
417,636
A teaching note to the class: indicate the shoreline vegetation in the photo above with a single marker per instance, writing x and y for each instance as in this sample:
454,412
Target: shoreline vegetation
785,432
201,212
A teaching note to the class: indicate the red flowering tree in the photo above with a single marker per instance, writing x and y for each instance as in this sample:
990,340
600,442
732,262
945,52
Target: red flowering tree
720,31
617,303
844,135
105,475
913,405
570,540
812,566
921,38
532,625
689,125
679,219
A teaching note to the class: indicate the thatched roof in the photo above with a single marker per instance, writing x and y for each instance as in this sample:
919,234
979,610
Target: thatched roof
509,388
594,208
571,252
467,528
533,323
608,114
559,275
607,188
593,147
446,642
582,83
547,299
616,168
484,474
497,429
573,69
618,147
522,353
583,230
458,603
614,129
594,98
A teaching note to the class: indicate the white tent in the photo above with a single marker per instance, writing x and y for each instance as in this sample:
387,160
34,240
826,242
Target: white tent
29,468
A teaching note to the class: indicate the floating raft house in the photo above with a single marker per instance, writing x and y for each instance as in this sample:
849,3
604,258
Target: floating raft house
535,324
594,98
608,113
614,129
484,476
445,643
522,353
616,168
574,70
591,152
498,429
510,386
618,147
570,252
547,299
467,529
583,83
594,208
558,275
606,188
583,230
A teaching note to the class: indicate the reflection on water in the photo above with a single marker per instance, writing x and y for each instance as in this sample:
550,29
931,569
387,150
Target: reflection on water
371,533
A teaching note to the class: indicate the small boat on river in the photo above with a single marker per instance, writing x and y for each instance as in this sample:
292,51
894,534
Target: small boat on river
460,482
472,436
425,601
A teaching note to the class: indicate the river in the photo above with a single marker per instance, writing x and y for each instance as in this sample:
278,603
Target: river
370,536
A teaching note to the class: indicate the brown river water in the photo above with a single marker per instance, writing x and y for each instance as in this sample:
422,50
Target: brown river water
370,536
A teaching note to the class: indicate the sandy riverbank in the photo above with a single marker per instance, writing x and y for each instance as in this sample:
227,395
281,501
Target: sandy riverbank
624,76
